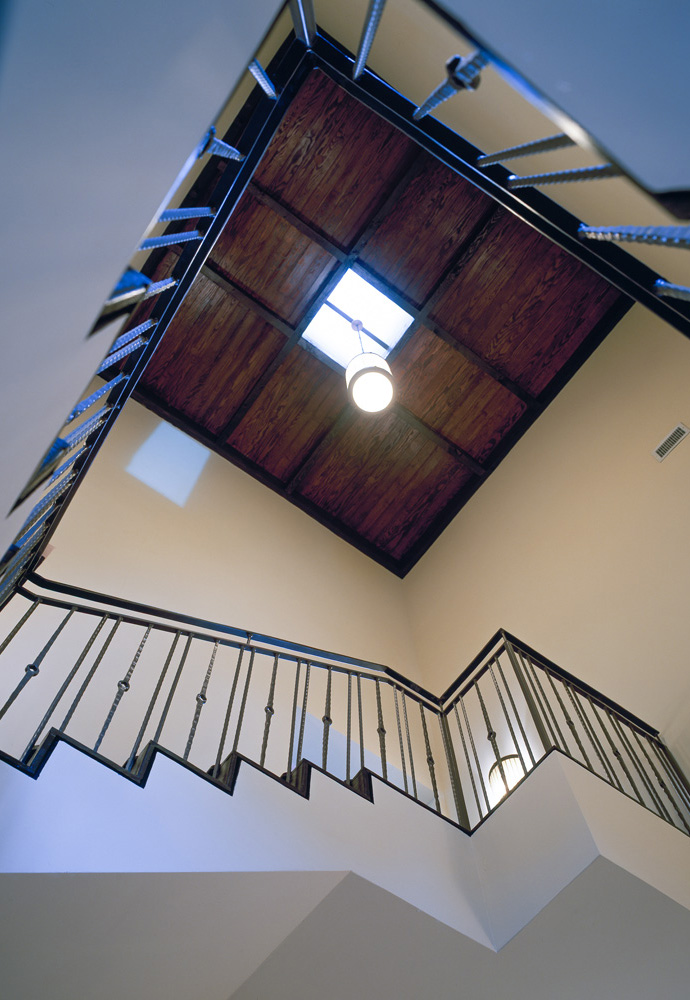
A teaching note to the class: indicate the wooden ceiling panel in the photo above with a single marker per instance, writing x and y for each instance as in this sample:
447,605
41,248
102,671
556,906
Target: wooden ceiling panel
333,160
292,415
436,213
515,294
384,480
271,260
212,354
453,396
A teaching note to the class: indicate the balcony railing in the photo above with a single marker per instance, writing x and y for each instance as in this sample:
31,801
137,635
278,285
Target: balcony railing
123,681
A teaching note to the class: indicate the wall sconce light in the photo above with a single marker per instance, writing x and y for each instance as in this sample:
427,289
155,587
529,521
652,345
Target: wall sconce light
513,771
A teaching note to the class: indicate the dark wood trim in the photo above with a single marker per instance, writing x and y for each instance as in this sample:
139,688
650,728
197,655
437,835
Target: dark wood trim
211,271
315,235
459,454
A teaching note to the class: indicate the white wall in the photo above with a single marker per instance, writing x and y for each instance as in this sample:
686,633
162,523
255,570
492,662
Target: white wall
579,542
235,553
100,105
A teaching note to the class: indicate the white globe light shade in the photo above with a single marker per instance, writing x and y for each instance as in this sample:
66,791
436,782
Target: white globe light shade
369,382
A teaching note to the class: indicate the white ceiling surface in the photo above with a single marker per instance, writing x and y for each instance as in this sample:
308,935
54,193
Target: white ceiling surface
607,936
592,58
100,105
156,936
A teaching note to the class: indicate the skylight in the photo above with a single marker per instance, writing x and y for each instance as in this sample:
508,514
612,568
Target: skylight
354,298
170,462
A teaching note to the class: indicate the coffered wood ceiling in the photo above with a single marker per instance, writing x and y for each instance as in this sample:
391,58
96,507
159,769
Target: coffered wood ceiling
502,318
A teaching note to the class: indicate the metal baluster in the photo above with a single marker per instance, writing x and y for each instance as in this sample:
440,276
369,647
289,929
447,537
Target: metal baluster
402,749
231,701
200,702
65,465
462,74
526,149
660,781
565,176
669,764
610,768
505,712
112,359
409,745
169,239
679,785
456,788
349,727
47,502
304,20
670,291
216,147
263,79
291,744
525,686
85,683
648,784
541,699
361,725
129,335
303,719
93,398
368,32
243,703
516,713
32,669
663,236
430,758
122,688
587,726
180,214
63,687
381,731
269,710
20,624
173,689
491,737
568,720
614,749
474,754
154,697
467,759
327,720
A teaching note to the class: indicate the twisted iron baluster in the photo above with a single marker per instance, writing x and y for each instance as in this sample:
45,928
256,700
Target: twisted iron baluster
200,702
409,745
430,759
381,731
349,727
467,758
400,739
474,754
122,688
154,697
303,719
32,669
243,703
293,721
361,725
505,712
63,687
515,711
25,617
269,710
327,720
228,711
85,683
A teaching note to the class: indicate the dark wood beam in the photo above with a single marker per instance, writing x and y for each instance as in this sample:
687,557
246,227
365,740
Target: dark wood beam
315,235
459,454
211,271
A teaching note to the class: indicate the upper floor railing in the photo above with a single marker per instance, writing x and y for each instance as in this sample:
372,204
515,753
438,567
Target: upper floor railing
121,679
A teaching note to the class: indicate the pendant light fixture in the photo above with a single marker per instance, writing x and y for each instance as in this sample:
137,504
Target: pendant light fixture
368,378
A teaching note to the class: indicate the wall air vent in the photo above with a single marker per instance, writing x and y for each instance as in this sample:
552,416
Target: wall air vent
670,442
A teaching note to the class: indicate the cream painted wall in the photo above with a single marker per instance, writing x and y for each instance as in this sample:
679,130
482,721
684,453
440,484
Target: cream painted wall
236,553
579,542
